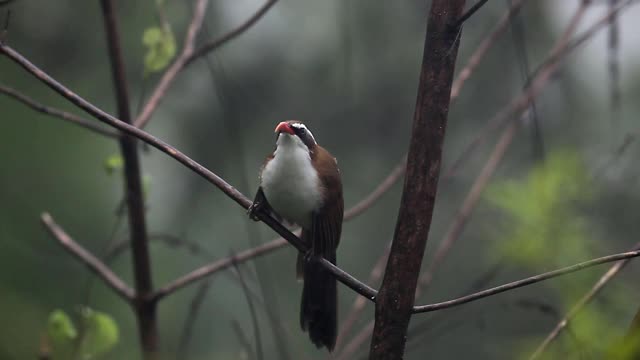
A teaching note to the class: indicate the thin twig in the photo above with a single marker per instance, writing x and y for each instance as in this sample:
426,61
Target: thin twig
483,48
359,302
72,118
252,312
169,76
584,301
524,282
539,79
469,204
94,264
377,193
469,13
210,46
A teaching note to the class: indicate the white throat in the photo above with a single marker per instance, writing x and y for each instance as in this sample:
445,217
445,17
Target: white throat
290,182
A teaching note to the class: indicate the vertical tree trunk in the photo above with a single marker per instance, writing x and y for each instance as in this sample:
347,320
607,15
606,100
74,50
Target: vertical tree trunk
396,297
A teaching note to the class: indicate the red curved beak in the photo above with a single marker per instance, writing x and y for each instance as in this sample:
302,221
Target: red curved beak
284,127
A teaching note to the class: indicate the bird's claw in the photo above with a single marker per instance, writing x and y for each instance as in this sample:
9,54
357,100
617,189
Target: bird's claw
253,210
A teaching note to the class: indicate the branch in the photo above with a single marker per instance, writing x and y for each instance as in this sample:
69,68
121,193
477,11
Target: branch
397,293
134,195
169,76
216,266
469,13
464,213
483,48
586,299
72,118
525,282
279,243
214,179
210,46
93,263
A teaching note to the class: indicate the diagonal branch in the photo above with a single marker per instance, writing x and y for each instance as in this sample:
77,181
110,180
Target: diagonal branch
214,179
524,282
469,13
93,263
72,118
213,45
170,75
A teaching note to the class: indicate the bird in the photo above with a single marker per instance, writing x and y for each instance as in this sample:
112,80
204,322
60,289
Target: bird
300,182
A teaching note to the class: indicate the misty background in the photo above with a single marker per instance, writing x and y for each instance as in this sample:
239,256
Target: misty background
349,70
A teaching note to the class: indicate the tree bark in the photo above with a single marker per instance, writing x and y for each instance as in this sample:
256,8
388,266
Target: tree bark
397,294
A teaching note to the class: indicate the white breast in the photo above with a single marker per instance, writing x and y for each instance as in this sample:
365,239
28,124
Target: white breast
290,182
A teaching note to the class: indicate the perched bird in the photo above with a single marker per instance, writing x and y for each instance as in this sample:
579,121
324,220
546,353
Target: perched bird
300,182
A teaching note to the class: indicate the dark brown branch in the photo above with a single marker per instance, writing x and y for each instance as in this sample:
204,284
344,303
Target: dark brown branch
169,76
72,118
396,297
93,263
134,195
213,45
472,10
524,282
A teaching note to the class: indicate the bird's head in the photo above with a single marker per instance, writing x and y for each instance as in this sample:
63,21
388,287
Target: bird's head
295,132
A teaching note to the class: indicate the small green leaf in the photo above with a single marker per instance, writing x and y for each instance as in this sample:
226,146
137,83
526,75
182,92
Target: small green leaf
113,163
60,328
61,334
101,333
161,48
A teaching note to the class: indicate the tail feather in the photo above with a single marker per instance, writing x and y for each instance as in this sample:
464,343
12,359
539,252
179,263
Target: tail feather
319,306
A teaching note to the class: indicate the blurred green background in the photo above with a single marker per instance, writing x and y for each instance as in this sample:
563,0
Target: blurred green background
349,70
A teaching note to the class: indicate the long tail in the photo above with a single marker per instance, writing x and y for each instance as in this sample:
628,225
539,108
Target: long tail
319,307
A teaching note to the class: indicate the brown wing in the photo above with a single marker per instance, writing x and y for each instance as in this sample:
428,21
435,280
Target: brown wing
319,304
328,219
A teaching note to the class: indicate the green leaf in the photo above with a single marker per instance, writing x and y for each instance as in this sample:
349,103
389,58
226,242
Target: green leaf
60,328
61,334
101,333
161,48
113,163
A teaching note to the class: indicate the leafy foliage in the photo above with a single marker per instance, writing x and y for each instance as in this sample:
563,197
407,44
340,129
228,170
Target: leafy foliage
161,48
543,228
98,334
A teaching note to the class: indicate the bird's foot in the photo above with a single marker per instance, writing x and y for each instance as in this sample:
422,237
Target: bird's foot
254,209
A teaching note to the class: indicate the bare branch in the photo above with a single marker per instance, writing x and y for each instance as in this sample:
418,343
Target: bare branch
169,76
541,77
93,263
524,282
218,266
377,193
210,46
145,310
462,216
72,118
483,48
469,13
584,301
